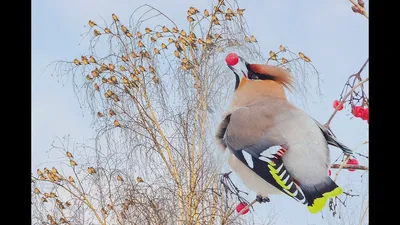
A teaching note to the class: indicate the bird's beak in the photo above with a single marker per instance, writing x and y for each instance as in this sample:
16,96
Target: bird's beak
240,69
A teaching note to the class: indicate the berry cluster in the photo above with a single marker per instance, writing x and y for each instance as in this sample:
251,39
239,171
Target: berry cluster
357,111
361,112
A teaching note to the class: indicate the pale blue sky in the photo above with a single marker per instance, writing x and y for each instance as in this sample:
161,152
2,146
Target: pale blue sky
326,30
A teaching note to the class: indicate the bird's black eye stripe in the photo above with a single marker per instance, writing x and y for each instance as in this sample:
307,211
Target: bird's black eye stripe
256,76
237,81
236,76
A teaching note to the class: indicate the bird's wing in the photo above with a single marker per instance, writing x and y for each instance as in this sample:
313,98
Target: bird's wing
250,138
270,167
332,139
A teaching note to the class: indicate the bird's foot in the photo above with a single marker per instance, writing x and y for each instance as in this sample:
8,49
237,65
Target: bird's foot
281,152
261,199
226,174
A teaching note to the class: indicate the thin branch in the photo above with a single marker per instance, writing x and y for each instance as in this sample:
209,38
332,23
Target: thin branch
344,99
364,213
351,195
243,210
349,166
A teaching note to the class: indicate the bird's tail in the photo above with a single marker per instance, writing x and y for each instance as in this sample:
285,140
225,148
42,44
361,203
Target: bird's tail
318,195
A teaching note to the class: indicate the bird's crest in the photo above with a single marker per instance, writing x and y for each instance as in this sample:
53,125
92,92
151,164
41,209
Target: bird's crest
277,74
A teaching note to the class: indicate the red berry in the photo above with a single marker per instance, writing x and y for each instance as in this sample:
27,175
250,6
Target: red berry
336,103
361,3
365,115
358,111
232,59
329,172
352,162
240,207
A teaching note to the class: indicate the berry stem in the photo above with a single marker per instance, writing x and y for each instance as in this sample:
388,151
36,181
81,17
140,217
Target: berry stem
241,211
344,99
247,206
363,11
349,166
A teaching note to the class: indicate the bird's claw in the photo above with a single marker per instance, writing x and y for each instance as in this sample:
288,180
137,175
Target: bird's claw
226,174
261,199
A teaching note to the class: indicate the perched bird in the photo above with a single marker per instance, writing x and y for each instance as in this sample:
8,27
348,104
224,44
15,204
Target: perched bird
261,119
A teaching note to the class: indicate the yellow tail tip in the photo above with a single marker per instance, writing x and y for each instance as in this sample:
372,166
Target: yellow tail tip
319,203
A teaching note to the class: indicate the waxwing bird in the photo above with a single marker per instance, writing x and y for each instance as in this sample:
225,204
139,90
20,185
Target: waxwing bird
275,147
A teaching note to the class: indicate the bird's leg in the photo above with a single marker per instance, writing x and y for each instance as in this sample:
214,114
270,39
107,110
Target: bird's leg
226,174
261,199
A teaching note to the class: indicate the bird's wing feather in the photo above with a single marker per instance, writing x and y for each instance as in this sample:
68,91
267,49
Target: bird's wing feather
253,127
272,170
249,136
332,139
